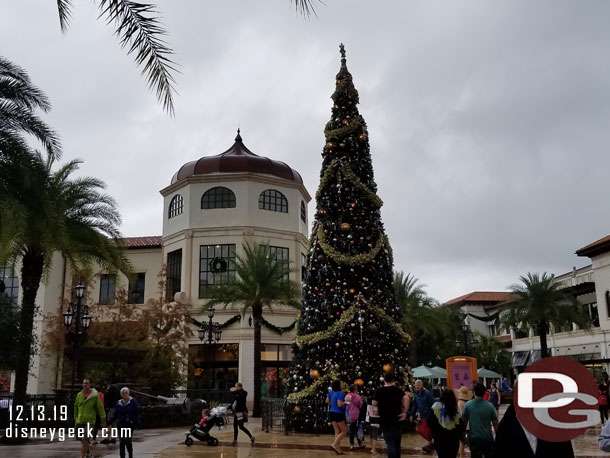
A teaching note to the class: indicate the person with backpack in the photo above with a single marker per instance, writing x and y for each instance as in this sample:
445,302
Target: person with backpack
352,415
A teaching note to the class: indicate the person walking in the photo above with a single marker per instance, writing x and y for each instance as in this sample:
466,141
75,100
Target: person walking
505,387
372,418
447,425
354,402
494,397
336,400
86,406
480,415
240,412
98,420
127,417
603,402
463,395
112,394
422,403
512,440
393,405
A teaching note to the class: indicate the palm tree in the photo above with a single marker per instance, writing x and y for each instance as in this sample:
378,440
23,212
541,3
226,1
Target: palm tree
540,301
19,99
49,212
491,353
421,318
139,30
261,282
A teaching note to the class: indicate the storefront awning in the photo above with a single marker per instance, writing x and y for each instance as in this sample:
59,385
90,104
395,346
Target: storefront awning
589,352
520,358
535,356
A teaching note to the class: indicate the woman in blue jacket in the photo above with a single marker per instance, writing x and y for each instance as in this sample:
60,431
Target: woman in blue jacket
127,417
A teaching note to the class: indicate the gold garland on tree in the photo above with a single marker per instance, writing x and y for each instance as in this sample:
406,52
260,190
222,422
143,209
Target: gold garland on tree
311,389
352,177
351,260
345,319
345,131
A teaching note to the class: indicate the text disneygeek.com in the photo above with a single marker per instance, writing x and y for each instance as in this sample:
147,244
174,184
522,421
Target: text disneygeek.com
61,434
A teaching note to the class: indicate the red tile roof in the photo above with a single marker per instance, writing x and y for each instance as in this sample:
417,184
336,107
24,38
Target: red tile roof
142,242
593,249
494,297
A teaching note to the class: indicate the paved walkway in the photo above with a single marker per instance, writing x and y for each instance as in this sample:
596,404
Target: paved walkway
169,443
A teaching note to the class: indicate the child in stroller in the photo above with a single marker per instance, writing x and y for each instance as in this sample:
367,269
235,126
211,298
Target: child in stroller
209,418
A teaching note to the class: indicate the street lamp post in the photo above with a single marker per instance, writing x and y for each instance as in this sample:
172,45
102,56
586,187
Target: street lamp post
77,320
465,339
211,332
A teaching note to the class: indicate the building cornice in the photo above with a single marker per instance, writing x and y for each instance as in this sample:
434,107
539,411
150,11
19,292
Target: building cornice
238,176
222,231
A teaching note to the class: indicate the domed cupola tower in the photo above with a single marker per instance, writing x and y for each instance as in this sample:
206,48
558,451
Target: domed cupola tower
211,207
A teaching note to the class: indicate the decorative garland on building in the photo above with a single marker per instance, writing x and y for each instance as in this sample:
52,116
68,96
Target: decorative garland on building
353,260
279,329
485,319
346,318
311,389
226,324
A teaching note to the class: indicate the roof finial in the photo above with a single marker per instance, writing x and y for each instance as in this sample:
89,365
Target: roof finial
238,138
343,72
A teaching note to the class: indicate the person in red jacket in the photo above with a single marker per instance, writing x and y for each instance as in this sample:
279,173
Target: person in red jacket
603,402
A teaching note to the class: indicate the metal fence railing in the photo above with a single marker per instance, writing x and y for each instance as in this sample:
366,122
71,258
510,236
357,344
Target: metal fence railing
306,416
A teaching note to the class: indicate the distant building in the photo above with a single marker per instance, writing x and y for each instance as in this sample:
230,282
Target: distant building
211,207
591,286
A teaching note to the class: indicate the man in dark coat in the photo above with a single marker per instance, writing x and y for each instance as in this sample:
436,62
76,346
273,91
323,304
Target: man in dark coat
512,440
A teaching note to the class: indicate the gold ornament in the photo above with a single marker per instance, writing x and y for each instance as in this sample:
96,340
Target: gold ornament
345,227
336,366
387,367
362,137
314,373
345,122
297,409
358,382
352,290
330,144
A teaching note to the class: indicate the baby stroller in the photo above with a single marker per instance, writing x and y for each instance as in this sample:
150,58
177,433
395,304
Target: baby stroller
217,417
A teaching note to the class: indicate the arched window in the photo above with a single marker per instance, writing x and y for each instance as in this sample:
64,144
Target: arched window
273,200
303,212
176,206
218,197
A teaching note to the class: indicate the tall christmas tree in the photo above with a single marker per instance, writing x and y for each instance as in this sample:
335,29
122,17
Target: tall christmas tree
349,325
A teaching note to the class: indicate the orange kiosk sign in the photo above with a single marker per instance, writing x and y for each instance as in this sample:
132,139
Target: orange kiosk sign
461,371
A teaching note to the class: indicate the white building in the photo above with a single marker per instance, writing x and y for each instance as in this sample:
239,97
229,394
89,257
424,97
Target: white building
211,207
590,284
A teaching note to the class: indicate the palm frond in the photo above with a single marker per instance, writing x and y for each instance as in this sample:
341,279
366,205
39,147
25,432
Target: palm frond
306,7
64,8
138,29
18,100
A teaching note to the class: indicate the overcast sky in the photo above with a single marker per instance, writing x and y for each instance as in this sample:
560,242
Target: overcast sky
489,122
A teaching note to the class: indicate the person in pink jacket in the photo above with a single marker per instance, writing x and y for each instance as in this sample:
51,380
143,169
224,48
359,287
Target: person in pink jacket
355,404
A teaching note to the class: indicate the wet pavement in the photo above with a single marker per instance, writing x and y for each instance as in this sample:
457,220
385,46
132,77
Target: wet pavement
169,443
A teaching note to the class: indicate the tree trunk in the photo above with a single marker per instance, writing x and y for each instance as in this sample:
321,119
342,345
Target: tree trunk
31,276
257,315
544,351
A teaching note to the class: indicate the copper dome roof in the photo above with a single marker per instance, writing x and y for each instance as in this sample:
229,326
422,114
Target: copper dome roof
238,158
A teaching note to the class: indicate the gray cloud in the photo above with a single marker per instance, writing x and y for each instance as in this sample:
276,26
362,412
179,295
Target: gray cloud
488,121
